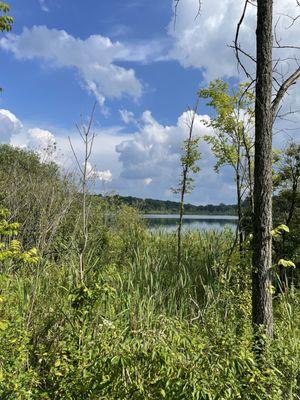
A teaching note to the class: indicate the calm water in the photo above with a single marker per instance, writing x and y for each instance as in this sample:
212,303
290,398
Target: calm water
169,222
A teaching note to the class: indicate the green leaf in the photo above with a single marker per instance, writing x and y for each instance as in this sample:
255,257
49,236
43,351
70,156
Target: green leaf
286,263
3,325
279,230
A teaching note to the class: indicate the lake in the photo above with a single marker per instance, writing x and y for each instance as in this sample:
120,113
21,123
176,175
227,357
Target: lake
169,222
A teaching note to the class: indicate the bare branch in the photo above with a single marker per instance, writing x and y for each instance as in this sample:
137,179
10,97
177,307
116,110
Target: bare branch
176,8
291,80
75,155
236,45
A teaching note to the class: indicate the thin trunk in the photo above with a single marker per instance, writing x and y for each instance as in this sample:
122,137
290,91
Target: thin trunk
183,188
84,212
239,198
262,310
181,212
282,271
249,170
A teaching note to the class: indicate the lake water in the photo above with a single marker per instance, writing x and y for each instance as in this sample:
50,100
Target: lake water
169,222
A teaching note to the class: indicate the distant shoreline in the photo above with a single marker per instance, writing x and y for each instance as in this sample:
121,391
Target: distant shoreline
168,207
191,216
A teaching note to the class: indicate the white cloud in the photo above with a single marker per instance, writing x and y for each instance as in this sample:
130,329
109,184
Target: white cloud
9,125
44,6
94,174
94,58
148,181
155,149
204,42
13,131
144,164
151,160
127,116
40,138
105,176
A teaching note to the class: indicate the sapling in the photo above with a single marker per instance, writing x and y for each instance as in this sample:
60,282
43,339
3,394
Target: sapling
190,157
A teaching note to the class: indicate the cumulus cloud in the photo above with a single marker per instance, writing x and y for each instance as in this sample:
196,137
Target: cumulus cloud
204,42
50,147
94,174
105,176
40,138
13,132
94,58
152,155
151,161
9,125
144,164
155,149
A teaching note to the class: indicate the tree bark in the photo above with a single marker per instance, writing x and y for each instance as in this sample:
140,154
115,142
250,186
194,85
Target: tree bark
262,312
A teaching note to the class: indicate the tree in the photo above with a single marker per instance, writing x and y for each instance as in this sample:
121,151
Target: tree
38,195
286,204
86,173
232,142
189,160
266,108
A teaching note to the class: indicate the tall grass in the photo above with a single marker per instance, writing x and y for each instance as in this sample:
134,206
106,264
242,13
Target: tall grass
141,327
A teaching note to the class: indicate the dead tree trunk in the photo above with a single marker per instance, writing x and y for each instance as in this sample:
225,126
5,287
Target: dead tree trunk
262,312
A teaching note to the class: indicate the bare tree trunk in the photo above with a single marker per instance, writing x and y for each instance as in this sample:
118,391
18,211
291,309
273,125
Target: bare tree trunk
262,311
87,138
249,169
239,198
181,213
188,161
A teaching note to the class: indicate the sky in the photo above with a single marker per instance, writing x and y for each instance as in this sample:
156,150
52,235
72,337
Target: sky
144,72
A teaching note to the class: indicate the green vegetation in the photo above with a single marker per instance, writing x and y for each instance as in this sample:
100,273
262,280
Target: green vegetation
140,326
154,206
6,21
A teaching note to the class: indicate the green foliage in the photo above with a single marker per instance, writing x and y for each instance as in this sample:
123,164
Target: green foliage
141,326
11,248
287,203
189,162
277,232
39,197
6,21
286,263
154,206
234,115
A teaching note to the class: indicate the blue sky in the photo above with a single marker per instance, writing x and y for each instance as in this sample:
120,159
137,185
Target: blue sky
63,54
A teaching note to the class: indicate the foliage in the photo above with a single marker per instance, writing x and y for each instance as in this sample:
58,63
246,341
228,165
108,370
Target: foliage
10,247
234,115
6,21
141,326
154,206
